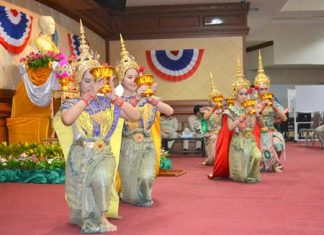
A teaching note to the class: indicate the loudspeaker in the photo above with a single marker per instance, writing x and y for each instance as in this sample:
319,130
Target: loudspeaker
114,5
304,117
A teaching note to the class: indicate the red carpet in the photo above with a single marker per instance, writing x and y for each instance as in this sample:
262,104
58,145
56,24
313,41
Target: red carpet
288,203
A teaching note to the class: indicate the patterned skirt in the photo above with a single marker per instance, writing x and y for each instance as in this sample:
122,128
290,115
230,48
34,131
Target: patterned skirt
137,169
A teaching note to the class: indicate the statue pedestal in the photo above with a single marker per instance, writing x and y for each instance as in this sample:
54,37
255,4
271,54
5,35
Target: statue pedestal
28,129
28,122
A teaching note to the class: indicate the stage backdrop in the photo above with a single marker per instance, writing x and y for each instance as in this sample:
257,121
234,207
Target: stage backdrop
9,74
219,57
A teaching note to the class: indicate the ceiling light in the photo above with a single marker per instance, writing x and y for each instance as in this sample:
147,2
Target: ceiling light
215,21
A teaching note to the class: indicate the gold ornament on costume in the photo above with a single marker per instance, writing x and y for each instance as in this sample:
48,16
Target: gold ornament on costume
85,122
261,77
85,60
105,72
249,105
99,145
230,101
240,82
127,61
145,79
267,96
138,137
215,95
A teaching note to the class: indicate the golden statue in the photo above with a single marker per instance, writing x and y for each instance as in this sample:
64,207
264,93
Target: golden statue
44,41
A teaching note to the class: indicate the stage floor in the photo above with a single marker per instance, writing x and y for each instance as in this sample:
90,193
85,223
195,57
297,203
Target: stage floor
287,203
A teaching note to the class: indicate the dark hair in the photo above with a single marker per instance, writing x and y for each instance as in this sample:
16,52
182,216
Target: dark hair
196,109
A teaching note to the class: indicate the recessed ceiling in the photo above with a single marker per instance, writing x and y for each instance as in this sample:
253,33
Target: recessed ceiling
261,11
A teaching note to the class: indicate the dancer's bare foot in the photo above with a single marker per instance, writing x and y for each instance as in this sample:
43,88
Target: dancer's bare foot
110,226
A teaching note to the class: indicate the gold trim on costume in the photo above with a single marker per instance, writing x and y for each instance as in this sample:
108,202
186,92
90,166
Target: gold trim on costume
248,133
138,137
267,95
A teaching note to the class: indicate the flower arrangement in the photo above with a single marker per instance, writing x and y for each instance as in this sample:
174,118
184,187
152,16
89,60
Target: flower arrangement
165,162
38,60
31,156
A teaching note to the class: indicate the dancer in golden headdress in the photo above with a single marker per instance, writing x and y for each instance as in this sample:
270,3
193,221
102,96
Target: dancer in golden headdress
272,141
138,154
90,166
214,117
244,154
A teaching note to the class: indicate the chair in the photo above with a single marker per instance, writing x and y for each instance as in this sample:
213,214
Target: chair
321,137
309,133
321,134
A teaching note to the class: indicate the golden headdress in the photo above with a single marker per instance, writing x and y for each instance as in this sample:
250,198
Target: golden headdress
126,62
240,82
215,95
261,77
85,60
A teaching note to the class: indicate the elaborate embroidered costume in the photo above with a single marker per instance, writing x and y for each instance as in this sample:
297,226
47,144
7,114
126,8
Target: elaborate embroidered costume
272,141
138,158
138,153
91,164
90,167
244,154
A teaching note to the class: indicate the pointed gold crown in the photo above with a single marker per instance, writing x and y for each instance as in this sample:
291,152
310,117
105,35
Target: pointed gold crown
261,77
240,82
127,61
85,59
214,95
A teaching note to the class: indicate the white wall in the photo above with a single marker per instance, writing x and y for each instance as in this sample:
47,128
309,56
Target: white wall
293,76
294,42
267,58
302,5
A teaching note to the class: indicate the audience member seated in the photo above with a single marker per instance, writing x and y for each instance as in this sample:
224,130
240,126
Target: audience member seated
194,122
169,127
